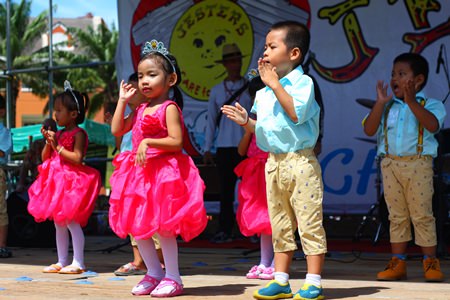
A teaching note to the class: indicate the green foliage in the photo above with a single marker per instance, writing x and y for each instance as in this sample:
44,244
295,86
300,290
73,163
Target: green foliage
23,32
96,45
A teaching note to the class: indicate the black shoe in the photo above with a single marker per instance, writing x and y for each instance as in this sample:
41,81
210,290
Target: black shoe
221,237
5,253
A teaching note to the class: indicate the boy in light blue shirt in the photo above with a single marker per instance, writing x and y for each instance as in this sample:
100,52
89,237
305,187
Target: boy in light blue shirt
287,127
5,150
405,126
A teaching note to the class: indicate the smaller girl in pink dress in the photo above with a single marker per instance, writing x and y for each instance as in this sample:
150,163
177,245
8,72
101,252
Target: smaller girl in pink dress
65,190
252,214
156,188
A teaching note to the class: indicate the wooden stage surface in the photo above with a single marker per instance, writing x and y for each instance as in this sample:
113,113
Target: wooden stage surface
207,273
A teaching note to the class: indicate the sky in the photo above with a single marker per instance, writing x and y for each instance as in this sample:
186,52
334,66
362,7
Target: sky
107,9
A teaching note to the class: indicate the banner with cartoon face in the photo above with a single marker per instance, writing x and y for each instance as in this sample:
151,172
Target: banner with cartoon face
353,45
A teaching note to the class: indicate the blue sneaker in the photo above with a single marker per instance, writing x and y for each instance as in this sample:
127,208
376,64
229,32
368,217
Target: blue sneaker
274,290
309,292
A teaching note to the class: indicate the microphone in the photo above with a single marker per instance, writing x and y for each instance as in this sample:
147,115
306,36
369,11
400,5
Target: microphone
440,60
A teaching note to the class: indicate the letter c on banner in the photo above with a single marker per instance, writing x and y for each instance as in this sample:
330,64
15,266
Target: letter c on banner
348,155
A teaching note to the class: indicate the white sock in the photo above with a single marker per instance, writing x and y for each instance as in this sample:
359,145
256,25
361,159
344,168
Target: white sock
77,244
150,257
266,250
281,277
62,245
314,279
169,249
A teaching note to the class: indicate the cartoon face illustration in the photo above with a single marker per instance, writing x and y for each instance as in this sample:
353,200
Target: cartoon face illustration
198,40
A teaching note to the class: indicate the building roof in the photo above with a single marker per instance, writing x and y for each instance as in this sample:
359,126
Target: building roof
60,26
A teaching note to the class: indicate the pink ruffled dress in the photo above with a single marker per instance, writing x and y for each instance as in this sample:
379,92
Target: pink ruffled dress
164,196
252,215
64,192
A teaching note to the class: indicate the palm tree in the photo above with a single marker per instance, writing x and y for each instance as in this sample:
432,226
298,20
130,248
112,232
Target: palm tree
23,31
97,45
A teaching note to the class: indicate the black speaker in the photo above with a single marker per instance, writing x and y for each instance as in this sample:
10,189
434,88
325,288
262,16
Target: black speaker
23,231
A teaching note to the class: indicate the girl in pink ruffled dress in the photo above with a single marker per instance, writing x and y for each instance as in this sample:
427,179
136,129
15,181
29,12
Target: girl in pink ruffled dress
252,215
65,189
156,188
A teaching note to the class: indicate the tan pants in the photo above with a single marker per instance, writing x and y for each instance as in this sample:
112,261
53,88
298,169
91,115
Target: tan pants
3,211
155,240
294,194
408,190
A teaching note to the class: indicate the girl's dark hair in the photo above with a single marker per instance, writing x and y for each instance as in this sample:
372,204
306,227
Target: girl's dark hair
67,100
297,35
169,63
49,123
418,64
133,77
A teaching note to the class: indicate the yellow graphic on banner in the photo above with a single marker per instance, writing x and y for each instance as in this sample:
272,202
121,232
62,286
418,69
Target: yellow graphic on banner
198,39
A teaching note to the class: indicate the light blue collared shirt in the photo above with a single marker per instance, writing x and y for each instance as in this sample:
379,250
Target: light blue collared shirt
5,143
126,144
275,131
403,131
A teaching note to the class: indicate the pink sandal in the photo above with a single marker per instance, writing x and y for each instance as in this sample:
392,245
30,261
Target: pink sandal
145,286
167,288
267,274
254,272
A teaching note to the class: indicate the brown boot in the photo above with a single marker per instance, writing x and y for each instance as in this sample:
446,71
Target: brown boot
395,270
432,270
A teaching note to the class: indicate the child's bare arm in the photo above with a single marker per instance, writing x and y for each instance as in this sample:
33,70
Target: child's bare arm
174,139
426,118
76,156
46,151
239,115
270,78
119,124
49,137
172,142
373,120
244,143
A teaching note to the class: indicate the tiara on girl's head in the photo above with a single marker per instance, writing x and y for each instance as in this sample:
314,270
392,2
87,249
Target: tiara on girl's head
252,74
68,87
155,46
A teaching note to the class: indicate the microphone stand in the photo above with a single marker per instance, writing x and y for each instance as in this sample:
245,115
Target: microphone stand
445,67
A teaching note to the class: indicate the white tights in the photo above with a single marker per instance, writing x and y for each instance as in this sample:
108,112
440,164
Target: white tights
62,244
169,248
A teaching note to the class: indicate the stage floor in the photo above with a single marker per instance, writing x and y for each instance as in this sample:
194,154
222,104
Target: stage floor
207,273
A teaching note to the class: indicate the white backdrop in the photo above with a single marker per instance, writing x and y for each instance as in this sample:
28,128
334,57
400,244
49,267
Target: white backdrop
353,45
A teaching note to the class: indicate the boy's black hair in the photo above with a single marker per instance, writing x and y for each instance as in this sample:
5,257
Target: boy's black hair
2,102
255,85
418,64
49,123
297,35
167,61
68,101
133,77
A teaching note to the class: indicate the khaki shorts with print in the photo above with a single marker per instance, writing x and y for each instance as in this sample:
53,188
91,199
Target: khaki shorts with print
295,192
408,190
